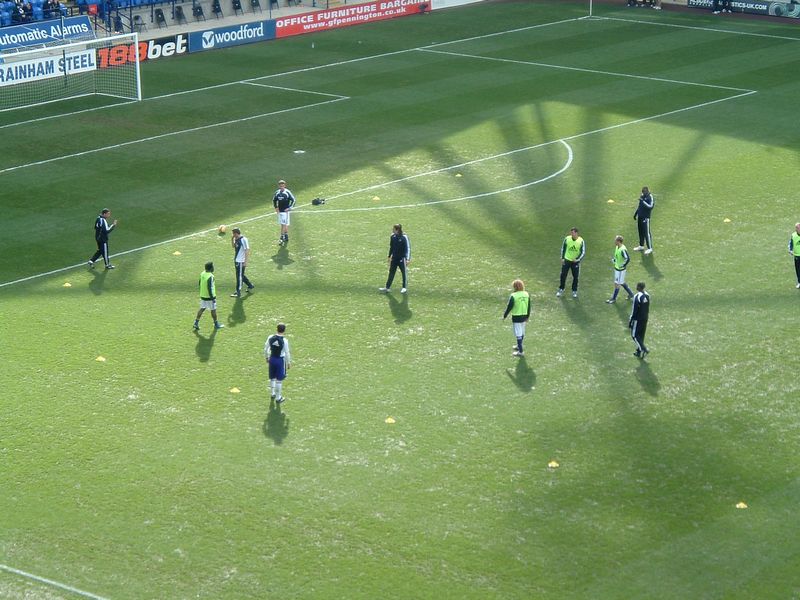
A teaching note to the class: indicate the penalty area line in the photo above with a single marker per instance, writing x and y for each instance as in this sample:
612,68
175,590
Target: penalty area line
50,582
171,134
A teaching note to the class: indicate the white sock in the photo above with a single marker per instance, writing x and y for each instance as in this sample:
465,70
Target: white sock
272,387
279,389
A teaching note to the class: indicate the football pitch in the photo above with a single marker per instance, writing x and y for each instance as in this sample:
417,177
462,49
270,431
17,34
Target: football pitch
415,457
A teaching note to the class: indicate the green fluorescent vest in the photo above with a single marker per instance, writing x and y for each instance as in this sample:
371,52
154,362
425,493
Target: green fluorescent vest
796,243
573,250
521,301
204,277
619,260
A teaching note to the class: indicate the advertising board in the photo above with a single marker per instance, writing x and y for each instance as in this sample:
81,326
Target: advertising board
224,37
44,32
46,67
757,7
344,16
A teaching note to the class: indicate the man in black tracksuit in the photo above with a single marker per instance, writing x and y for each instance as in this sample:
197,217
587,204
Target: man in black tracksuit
642,218
101,231
638,321
399,257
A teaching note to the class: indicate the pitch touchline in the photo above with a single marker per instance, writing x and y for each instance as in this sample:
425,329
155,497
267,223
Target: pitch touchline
62,586
713,29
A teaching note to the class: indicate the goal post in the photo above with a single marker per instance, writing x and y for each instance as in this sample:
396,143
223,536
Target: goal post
98,67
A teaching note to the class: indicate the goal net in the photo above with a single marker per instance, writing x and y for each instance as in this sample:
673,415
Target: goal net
103,67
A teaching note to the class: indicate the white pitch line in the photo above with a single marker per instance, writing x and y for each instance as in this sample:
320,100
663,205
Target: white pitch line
585,70
168,134
62,586
712,29
659,116
288,89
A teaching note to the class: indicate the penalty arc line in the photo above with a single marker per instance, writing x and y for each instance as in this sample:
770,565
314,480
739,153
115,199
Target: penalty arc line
50,582
567,165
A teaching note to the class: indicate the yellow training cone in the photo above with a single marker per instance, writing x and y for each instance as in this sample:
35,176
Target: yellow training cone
741,505
458,174
390,420
176,253
375,198
553,464
610,201
726,220
101,359
235,390
67,284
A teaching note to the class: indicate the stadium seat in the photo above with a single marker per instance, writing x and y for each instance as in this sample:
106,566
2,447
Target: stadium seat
179,16
5,18
161,20
38,13
197,12
138,24
217,9
256,4
237,6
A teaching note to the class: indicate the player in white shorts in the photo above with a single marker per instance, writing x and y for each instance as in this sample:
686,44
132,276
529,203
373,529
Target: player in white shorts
620,261
283,201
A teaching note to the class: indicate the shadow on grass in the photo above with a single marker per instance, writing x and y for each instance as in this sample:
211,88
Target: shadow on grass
523,375
237,315
647,379
652,268
276,425
281,258
204,344
574,309
400,310
98,282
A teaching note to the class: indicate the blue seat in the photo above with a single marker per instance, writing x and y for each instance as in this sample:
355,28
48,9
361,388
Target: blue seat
38,13
5,18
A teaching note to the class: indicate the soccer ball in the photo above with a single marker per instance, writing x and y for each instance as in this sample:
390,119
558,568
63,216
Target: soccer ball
222,229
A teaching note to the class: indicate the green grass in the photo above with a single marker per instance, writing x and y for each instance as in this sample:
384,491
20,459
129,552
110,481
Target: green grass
144,476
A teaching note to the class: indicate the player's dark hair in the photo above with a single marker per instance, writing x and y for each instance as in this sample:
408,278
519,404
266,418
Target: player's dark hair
398,228
210,267
105,211
236,230
281,327
640,286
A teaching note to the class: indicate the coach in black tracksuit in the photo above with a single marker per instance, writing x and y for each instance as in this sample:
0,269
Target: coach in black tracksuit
642,217
101,231
638,322
399,257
